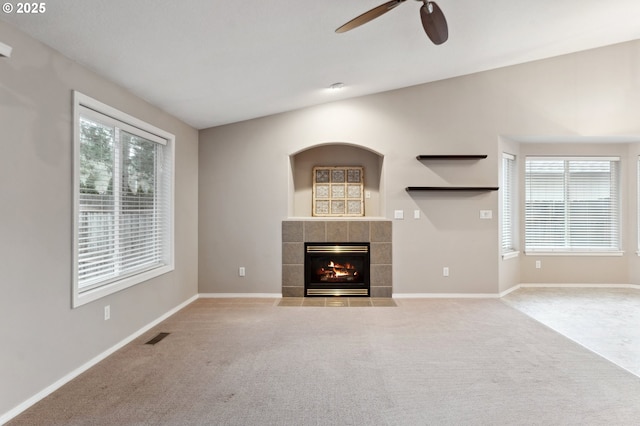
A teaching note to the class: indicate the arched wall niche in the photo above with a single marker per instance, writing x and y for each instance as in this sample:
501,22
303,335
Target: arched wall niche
335,154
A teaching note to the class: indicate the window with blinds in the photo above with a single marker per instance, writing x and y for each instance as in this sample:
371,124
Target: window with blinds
572,204
508,202
123,201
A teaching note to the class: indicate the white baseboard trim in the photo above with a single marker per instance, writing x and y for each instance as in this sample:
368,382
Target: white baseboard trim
509,290
577,285
240,295
445,295
4,418
506,292
574,285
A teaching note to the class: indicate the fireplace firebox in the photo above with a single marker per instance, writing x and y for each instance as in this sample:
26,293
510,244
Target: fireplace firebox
336,269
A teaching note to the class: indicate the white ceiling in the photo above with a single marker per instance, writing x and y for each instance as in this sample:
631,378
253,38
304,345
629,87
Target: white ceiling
216,62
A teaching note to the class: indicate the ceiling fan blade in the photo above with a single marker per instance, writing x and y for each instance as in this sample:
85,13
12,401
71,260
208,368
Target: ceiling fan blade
434,22
369,15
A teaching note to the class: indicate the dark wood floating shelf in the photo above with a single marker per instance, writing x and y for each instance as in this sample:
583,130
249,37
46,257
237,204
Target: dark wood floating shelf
452,188
451,157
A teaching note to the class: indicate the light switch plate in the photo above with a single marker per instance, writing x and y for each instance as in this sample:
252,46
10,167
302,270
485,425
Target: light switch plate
398,214
486,214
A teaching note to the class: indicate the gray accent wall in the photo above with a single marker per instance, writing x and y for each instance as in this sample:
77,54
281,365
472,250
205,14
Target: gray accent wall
246,185
42,338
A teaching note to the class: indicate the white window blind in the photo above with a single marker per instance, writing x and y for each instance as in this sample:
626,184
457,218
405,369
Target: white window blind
572,204
508,203
124,200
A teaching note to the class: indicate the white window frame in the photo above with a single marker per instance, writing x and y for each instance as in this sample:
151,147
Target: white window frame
85,105
576,251
509,229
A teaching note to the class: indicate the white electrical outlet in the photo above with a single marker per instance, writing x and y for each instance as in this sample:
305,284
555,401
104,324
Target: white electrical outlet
241,271
445,271
107,312
367,194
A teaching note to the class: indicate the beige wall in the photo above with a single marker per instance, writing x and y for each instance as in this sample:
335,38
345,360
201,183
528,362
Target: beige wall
245,186
43,339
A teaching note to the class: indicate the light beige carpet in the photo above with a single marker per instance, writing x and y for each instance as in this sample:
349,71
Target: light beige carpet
604,320
425,362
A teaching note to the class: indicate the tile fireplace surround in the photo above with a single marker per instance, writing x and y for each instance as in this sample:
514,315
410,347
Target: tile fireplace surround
297,232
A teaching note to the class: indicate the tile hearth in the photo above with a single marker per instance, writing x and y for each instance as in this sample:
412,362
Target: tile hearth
338,302
376,232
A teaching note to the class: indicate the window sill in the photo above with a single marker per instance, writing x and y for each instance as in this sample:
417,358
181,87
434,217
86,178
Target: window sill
82,298
574,253
510,255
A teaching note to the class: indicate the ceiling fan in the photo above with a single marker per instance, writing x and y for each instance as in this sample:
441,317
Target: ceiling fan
433,20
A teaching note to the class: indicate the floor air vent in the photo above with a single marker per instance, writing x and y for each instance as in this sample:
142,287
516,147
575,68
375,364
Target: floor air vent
156,339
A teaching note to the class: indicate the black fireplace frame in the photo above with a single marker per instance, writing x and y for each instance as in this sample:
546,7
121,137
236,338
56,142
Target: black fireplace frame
359,250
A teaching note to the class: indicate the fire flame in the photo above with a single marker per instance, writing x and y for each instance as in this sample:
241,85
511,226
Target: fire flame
338,270
333,271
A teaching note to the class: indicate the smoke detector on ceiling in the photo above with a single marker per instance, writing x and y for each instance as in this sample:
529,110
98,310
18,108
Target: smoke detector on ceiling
5,51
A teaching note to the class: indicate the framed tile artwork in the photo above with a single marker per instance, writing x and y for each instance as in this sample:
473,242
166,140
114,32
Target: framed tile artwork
338,191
